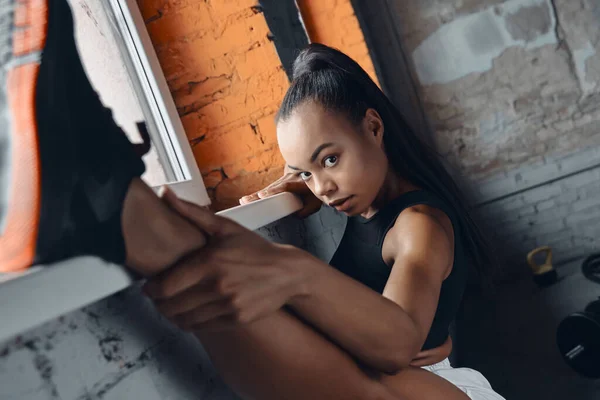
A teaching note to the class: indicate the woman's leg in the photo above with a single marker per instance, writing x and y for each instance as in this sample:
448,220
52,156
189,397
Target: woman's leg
278,357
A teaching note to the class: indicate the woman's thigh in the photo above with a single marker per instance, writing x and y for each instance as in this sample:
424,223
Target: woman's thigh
416,383
280,357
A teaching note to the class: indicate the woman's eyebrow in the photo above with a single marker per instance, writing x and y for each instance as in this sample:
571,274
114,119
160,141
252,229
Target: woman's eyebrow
314,155
318,150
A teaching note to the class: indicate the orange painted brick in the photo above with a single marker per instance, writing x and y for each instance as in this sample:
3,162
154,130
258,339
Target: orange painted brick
349,25
205,89
213,178
247,30
195,125
228,110
316,6
191,69
221,9
253,62
236,41
335,24
224,149
153,9
352,37
344,9
175,61
259,162
181,25
266,126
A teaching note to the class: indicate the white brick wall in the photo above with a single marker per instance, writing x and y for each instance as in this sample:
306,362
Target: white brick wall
564,214
121,348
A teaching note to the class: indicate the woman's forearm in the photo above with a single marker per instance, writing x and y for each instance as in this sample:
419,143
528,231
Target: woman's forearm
372,328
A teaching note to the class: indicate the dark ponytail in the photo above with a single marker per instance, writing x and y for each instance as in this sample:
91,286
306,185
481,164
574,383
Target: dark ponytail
335,81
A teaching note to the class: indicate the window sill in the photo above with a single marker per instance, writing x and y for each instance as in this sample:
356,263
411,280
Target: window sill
43,293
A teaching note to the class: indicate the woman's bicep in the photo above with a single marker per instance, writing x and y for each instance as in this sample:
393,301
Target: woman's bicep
423,255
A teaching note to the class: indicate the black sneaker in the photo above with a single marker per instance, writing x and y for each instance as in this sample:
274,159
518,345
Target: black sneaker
65,166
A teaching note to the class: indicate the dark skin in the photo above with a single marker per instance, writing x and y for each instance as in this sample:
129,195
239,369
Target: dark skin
232,292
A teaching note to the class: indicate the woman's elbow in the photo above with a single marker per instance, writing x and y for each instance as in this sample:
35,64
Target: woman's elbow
393,361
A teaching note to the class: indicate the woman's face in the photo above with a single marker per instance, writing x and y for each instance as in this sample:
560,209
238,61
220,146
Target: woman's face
344,165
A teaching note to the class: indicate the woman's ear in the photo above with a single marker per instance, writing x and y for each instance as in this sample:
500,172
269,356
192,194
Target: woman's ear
373,125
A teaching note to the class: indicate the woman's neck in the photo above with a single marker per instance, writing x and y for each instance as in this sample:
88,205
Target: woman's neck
393,187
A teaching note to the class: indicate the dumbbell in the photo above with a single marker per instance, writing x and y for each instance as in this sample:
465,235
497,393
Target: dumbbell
544,274
578,340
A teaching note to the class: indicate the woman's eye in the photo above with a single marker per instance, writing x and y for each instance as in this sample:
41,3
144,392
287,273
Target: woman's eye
330,161
304,175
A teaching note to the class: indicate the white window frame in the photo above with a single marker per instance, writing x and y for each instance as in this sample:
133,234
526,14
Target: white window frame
88,279
163,122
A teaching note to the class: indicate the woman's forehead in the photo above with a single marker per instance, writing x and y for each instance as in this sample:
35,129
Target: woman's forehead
310,125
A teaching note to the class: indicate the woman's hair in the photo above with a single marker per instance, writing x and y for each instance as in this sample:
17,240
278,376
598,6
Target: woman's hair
336,82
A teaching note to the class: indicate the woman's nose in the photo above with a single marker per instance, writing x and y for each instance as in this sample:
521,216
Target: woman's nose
324,187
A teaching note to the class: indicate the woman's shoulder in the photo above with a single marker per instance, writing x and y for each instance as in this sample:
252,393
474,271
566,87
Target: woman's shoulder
418,229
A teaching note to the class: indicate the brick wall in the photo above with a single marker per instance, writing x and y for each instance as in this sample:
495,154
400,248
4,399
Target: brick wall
560,210
505,83
335,24
227,82
512,90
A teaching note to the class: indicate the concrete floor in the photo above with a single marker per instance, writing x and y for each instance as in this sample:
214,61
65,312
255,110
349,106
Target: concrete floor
511,339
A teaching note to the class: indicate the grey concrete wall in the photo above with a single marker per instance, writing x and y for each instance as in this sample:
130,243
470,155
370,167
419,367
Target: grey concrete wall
120,348
506,83
512,90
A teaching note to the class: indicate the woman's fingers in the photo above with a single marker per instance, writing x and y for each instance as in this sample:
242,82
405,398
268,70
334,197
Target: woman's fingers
249,199
210,312
279,186
216,324
292,184
189,272
195,297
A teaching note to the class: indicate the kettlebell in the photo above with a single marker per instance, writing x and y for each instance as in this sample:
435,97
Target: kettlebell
578,340
545,274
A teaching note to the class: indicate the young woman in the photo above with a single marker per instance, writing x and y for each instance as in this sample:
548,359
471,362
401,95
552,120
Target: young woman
276,322
398,274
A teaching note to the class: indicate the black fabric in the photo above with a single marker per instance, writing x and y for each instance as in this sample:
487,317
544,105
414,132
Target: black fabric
359,256
87,162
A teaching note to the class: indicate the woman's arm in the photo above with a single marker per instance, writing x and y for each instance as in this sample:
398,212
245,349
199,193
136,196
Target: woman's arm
239,278
384,332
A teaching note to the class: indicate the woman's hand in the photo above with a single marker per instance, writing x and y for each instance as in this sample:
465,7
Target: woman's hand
289,182
433,356
239,277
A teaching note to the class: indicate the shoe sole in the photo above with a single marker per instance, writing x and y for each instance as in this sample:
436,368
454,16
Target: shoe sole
23,27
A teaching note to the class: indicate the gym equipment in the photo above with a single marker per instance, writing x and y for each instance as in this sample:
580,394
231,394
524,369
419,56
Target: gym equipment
545,274
578,340
578,335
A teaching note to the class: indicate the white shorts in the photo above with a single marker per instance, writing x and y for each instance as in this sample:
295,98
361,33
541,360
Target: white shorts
472,382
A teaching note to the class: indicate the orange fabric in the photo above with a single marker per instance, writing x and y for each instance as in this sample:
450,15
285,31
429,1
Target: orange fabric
18,241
